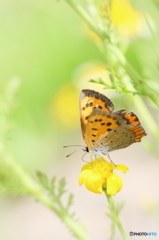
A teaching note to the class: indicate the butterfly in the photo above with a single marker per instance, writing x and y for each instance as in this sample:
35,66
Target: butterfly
104,130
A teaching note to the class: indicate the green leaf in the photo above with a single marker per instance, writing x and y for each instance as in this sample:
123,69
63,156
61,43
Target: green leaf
112,80
70,200
61,188
98,80
43,179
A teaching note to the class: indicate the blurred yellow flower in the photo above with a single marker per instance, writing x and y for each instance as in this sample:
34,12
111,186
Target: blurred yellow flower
64,107
91,70
128,20
98,175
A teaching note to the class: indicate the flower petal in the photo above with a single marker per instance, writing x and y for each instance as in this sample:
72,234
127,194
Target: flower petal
122,168
98,174
87,166
94,182
83,176
114,183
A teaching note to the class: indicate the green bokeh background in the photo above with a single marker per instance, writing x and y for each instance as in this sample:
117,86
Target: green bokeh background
41,43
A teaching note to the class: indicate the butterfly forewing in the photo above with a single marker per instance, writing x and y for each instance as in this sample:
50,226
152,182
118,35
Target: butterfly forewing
89,101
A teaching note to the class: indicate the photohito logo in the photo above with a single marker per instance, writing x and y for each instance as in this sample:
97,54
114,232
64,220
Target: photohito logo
142,234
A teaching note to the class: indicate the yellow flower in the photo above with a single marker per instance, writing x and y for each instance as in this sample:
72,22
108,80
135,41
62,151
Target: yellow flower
98,175
127,18
63,109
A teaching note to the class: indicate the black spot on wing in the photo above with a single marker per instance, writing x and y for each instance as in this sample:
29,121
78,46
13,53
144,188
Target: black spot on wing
93,135
90,104
109,129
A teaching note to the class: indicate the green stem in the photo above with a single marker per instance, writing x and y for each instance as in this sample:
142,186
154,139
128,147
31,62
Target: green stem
147,117
24,182
148,91
133,74
31,187
75,227
85,16
115,216
137,79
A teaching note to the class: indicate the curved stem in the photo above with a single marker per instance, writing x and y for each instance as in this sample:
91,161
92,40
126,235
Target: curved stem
85,16
115,217
139,83
148,119
34,189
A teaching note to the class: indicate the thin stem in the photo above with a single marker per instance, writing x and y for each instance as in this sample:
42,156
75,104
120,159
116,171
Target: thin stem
31,187
131,71
142,84
147,117
85,16
134,75
74,226
115,216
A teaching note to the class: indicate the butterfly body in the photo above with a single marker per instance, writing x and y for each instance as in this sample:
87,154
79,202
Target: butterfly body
104,130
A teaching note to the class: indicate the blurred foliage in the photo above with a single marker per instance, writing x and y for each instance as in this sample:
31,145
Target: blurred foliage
15,180
48,54
47,46
56,192
39,45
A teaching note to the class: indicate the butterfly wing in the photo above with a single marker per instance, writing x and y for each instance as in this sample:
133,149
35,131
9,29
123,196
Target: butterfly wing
128,118
103,130
100,123
91,100
120,137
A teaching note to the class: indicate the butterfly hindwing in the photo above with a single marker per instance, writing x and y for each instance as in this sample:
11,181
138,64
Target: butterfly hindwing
129,118
119,138
100,123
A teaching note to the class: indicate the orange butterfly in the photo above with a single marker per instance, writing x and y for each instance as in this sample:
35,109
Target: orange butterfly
104,130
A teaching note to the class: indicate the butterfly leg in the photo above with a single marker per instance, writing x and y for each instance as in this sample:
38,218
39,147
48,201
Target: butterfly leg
97,155
110,159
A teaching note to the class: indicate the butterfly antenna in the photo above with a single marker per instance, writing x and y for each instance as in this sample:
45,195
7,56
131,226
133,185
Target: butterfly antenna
73,146
73,151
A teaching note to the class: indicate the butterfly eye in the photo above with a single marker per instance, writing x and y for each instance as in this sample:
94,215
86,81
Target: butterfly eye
85,149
